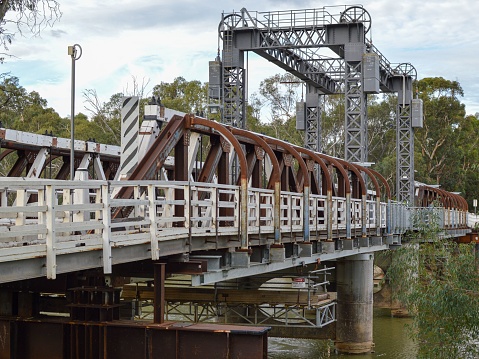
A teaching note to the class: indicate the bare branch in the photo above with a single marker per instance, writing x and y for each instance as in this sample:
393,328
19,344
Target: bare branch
32,15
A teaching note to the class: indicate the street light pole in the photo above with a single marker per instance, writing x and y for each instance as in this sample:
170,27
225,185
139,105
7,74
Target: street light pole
75,52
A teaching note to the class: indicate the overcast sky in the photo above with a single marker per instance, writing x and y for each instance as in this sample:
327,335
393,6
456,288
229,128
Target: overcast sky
161,40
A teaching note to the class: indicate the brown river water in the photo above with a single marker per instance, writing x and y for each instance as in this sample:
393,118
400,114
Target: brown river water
390,338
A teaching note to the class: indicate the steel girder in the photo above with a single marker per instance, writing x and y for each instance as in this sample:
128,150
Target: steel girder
303,67
35,154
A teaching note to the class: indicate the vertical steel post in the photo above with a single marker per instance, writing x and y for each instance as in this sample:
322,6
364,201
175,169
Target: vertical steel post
159,293
75,55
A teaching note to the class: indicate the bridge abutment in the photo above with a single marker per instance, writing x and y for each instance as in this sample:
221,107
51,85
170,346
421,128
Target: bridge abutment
354,311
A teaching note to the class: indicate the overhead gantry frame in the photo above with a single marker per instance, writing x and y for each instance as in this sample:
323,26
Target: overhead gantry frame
296,41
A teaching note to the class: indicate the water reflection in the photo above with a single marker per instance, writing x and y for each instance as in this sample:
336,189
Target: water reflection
390,337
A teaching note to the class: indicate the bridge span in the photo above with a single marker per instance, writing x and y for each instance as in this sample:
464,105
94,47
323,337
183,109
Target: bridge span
212,201
285,206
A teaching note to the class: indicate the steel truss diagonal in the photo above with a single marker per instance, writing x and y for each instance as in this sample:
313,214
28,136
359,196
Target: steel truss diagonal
309,70
247,314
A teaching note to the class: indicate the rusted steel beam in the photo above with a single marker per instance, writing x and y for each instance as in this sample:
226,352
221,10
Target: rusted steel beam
372,177
181,174
159,290
62,338
344,187
257,173
5,153
190,267
306,187
211,161
156,156
274,181
251,159
64,171
362,192
326,178
243,173
20,164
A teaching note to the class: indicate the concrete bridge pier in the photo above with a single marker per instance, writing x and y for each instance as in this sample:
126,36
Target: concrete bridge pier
354,310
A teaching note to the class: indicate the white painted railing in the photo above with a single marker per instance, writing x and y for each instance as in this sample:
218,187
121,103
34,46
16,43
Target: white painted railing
48,218
317,212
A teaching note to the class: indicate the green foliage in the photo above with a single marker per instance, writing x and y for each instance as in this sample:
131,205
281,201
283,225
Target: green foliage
25,111
435,278
279,94
443,114
182,95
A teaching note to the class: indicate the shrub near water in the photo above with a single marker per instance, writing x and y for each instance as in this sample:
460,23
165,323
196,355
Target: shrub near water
436,280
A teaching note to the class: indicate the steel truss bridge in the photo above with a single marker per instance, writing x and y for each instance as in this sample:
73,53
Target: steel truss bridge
286,207
214,201
278,213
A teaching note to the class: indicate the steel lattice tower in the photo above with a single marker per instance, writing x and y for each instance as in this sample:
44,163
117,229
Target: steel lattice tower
355,127
314,107
405,134
294,41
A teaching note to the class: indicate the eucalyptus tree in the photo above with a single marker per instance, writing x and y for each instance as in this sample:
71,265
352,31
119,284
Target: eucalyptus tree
436,280
19,16
182,95
436,141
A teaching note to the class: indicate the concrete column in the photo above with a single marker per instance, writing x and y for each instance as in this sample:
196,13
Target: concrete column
354,311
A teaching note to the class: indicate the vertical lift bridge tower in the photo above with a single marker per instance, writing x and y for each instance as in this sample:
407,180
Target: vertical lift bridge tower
331,51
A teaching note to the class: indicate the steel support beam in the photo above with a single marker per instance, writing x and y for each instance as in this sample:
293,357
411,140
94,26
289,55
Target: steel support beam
355,126
404,156
314,106
159,285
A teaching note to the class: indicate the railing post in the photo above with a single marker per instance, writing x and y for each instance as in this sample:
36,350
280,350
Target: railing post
98,212
328,214
257,209
21,201
244,213
306,229
277,213
106,234
348,215
187,206
378,216
153,228
214,208
364,216
4,198
388,218
51,260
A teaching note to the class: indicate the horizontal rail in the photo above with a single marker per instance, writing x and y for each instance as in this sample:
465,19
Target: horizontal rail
76,216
